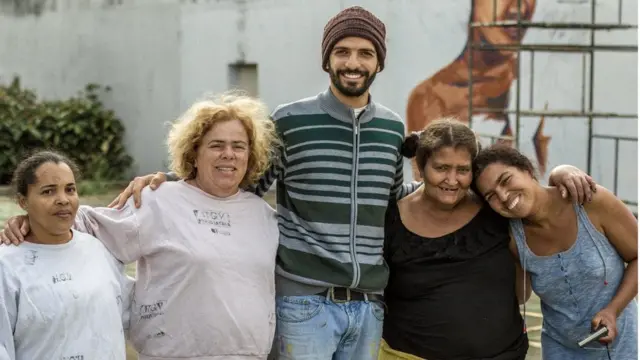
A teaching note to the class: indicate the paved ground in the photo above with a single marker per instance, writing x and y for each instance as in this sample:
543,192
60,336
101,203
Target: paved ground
534,319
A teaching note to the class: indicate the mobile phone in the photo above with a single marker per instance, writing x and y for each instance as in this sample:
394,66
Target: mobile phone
601,332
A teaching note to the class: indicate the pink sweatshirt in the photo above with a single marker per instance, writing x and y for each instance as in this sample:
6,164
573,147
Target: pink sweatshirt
205,271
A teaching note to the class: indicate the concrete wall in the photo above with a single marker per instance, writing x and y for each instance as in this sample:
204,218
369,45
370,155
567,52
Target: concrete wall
134,49
161,55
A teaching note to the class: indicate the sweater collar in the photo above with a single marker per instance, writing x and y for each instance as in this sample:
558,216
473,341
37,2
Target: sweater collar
330,104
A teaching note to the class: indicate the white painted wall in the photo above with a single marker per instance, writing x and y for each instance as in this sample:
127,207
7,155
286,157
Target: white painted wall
161,55
133,49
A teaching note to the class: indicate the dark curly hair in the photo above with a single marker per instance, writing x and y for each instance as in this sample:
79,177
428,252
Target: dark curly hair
446,132
502,154
25,173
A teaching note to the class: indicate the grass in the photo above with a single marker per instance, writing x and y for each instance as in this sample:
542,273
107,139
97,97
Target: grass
534,319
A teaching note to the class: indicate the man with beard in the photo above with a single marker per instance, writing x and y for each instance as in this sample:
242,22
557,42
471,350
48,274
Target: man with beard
338,168
340,164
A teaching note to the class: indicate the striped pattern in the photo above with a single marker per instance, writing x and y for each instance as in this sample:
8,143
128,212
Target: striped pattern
335,178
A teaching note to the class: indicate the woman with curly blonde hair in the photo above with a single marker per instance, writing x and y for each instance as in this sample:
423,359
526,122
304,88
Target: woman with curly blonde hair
205,248
250,119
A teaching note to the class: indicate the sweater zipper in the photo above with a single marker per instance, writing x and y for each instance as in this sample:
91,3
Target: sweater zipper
354,202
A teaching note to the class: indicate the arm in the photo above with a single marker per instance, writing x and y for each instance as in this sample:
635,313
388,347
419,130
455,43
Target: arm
621,228
277,168
127,284
523,284
171,176
118,230
388,231
8,314
399,189
573,182
266,180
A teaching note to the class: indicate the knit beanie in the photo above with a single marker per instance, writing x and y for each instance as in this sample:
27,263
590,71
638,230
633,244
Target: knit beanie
357,22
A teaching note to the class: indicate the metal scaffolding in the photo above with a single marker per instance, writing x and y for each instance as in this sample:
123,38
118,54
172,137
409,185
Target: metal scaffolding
587,110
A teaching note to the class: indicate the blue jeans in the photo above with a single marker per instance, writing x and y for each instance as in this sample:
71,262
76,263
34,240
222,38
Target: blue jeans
315,328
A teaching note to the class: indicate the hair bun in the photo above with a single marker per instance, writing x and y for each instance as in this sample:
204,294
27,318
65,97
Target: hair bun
410,145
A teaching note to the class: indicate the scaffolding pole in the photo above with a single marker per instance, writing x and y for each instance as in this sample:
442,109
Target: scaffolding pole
587,110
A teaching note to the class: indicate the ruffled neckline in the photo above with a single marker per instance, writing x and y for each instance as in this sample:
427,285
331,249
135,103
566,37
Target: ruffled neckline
481,234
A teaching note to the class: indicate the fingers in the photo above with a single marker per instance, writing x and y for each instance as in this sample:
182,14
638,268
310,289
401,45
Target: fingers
12,231
4,240
611,334
24,228
15,228
580,195
610,324
122,198
596,321
592,183
138,184
157,180
563,191
135,188
575,190
114,202
586,188
118,202
607,339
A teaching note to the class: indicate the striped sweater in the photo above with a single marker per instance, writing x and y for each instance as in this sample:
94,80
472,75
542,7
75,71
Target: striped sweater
335,176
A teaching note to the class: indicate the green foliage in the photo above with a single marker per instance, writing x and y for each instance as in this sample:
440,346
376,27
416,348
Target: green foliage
97,188
79,127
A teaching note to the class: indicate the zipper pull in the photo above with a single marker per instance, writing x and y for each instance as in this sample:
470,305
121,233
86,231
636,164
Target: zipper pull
356,130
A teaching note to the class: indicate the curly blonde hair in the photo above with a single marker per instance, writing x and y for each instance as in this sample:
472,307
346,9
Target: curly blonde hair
186,133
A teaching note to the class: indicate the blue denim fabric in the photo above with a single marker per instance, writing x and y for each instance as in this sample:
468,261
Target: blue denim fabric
314,327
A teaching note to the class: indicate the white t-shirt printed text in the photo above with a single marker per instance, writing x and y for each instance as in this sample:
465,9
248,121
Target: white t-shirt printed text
205,271
68,301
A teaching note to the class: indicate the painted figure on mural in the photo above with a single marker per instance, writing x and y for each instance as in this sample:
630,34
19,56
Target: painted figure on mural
446,93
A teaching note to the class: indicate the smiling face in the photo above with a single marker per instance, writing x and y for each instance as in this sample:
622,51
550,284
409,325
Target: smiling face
222,158
353,65
508,190
51,201
447,175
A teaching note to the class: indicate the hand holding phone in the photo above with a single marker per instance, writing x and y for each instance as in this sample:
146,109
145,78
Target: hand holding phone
601,332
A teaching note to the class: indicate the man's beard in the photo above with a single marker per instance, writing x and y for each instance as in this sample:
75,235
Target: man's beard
351,90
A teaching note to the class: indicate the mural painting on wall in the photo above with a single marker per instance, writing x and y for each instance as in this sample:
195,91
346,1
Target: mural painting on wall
446,93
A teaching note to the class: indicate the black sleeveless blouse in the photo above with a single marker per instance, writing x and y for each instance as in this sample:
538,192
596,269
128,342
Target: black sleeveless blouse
453,297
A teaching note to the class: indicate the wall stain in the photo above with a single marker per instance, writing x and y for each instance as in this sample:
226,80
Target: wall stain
24,8
241,25
21,8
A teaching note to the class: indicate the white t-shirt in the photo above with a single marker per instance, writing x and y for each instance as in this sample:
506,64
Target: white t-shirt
205,285
62,302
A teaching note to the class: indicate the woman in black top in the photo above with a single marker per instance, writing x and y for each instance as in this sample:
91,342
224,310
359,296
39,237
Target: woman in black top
452,286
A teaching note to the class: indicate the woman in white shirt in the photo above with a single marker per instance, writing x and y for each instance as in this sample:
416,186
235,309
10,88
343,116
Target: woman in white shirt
205,249
62,294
